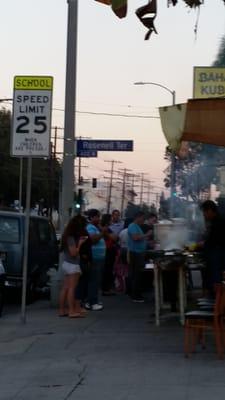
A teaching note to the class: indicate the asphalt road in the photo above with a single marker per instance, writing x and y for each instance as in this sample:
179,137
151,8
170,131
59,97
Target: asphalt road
117,353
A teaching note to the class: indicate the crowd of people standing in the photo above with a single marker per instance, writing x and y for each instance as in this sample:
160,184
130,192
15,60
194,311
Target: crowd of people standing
107,254
101,253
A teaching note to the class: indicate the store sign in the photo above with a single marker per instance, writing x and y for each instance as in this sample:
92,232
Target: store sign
209,82
32,108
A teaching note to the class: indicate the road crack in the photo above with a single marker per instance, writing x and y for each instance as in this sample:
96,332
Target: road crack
82,376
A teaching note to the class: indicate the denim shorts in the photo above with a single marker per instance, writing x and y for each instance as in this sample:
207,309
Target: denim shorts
69,268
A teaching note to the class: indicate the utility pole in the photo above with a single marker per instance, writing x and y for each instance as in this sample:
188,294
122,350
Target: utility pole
173,170
149,192
123,191
132,176
80,190
142,188
79,171
55,141
124,180
173,155
51,181
109,199
157,201
70,107
80,182
110,186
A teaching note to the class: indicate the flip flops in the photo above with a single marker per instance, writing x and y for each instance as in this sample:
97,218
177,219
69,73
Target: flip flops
77,315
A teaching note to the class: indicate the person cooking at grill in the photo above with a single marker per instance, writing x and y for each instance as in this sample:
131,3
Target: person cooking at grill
214,245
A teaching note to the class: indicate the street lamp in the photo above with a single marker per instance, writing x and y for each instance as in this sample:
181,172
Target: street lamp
173,158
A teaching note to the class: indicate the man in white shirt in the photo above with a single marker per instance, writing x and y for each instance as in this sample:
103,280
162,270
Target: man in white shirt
117,224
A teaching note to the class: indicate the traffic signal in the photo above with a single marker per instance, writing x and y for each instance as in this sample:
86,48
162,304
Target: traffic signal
94,182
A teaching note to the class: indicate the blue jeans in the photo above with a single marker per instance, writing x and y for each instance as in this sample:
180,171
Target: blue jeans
95,281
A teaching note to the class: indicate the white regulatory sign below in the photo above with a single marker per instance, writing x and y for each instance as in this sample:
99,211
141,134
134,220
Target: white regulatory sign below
32,108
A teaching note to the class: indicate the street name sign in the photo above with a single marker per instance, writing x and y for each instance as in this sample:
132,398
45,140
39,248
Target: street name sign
104,145
32,108
209,82
87,153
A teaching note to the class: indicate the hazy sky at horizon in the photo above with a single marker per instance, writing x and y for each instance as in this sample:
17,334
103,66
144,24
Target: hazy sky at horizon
112,55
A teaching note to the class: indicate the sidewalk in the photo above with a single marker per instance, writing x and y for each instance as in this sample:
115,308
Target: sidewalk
115,354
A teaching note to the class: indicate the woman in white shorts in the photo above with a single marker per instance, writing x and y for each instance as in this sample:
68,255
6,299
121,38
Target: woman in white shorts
70,247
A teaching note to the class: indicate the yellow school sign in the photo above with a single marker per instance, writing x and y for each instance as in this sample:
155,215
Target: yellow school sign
33,82
209,82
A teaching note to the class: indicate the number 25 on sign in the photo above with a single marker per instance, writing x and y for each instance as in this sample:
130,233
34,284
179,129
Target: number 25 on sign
32,105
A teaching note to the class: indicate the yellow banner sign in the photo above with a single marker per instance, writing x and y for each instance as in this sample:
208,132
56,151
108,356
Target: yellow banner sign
33,82
209,82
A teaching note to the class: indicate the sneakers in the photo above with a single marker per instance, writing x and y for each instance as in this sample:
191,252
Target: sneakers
87,306
97,307
138,300
94,307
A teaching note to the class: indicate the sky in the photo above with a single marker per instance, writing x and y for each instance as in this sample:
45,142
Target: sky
112,55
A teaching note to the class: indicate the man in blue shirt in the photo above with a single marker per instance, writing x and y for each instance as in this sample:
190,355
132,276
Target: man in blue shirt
96,234
137,248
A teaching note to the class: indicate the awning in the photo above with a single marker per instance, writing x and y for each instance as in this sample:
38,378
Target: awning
172,122
205,121
199,120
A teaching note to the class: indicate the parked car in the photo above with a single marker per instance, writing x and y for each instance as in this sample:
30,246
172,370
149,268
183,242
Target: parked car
42,249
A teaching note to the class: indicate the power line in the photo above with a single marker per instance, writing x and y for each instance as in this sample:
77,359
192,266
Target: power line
105,114
119,105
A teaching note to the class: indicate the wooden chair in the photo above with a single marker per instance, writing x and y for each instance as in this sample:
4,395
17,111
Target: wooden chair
198,321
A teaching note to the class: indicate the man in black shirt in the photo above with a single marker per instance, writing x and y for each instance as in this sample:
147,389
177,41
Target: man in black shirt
214,245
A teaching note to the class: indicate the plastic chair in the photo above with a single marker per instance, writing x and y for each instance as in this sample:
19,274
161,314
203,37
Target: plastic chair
198,321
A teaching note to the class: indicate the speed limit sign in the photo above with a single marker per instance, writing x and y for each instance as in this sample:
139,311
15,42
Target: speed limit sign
32,105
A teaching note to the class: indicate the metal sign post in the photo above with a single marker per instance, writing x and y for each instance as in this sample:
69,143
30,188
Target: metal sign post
30,137
26,240
21,185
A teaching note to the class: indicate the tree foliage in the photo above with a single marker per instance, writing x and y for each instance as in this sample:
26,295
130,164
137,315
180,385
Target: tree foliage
196,173
189,3
132,209
220,59
45,173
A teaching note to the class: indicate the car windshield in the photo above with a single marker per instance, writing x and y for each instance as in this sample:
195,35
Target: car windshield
9,229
